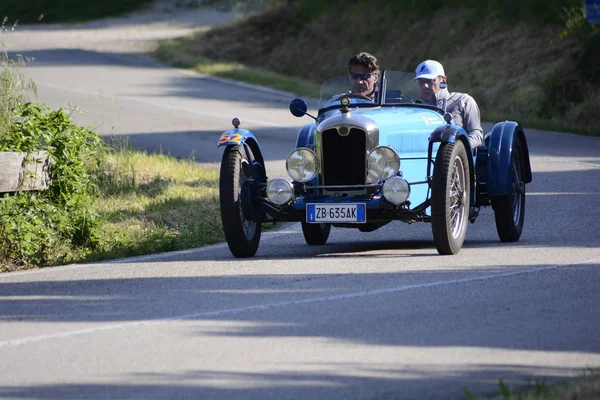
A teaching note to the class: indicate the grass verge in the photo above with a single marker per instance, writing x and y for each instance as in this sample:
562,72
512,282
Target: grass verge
584,387
148,204
154,203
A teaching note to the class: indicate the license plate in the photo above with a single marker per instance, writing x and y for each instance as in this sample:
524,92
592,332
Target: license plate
317,213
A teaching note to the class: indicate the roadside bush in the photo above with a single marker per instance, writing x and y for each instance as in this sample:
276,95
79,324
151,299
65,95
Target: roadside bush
59,224
55,225
572,90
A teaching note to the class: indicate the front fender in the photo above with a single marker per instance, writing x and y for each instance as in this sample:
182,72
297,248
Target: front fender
306,136
242,137
500,145
445,133
451,134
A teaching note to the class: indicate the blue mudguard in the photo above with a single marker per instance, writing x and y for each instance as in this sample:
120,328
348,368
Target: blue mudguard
306,136
451,133
500,145
241,137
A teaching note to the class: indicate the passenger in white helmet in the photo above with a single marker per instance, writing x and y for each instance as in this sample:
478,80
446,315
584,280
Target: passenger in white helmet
434,91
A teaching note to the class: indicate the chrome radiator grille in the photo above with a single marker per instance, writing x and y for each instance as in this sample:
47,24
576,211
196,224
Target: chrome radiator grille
344,157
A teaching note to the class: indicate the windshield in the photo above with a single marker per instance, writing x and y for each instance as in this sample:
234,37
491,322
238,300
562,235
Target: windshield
396,87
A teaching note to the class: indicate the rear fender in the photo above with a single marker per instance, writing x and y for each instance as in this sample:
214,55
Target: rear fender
500,145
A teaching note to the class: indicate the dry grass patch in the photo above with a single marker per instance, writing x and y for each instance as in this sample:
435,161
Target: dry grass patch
155,203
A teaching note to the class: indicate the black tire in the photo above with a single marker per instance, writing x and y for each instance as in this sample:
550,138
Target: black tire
315,234
450,198
509,211
242,234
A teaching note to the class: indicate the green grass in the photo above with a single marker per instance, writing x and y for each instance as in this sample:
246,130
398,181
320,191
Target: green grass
583,387
54,11
155,203
14,85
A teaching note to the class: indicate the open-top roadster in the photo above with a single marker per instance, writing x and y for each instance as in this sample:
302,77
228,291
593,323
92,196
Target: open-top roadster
366,162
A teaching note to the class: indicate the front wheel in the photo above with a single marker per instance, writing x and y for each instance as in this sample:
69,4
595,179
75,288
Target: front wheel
450,197
315,234
509,211
242,222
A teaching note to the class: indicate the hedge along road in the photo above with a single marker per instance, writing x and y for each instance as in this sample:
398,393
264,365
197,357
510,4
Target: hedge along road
368,316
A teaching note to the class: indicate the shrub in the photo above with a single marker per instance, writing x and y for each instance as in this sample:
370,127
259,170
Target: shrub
58,224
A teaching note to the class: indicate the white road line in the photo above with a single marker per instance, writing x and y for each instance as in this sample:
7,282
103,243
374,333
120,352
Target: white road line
161,105
261,307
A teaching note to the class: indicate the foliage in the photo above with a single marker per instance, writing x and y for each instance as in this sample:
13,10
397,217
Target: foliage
584,386
541,11
53,11
572,90
58,224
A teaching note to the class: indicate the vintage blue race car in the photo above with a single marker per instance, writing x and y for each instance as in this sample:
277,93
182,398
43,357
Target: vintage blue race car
366,162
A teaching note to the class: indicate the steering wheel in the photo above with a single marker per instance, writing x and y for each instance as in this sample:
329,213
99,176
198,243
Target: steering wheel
354,96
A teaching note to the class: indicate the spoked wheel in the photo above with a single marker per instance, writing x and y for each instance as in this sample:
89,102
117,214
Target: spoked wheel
241,217
450,197
509,211
316,234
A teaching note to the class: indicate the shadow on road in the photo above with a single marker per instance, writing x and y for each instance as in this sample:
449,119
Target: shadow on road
554,304
201,384
562,303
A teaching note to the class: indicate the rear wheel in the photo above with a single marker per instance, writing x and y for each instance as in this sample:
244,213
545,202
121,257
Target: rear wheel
450,197
241,217
509,211
316,234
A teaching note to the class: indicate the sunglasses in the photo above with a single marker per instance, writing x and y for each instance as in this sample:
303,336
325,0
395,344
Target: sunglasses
362,77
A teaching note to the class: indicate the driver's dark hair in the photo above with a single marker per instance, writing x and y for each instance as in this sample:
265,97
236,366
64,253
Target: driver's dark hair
366,59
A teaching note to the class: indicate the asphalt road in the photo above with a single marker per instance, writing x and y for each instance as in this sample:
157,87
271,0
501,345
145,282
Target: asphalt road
368,316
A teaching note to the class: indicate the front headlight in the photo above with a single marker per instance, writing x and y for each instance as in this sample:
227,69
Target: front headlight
383,163
396,190
302,164
280,191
